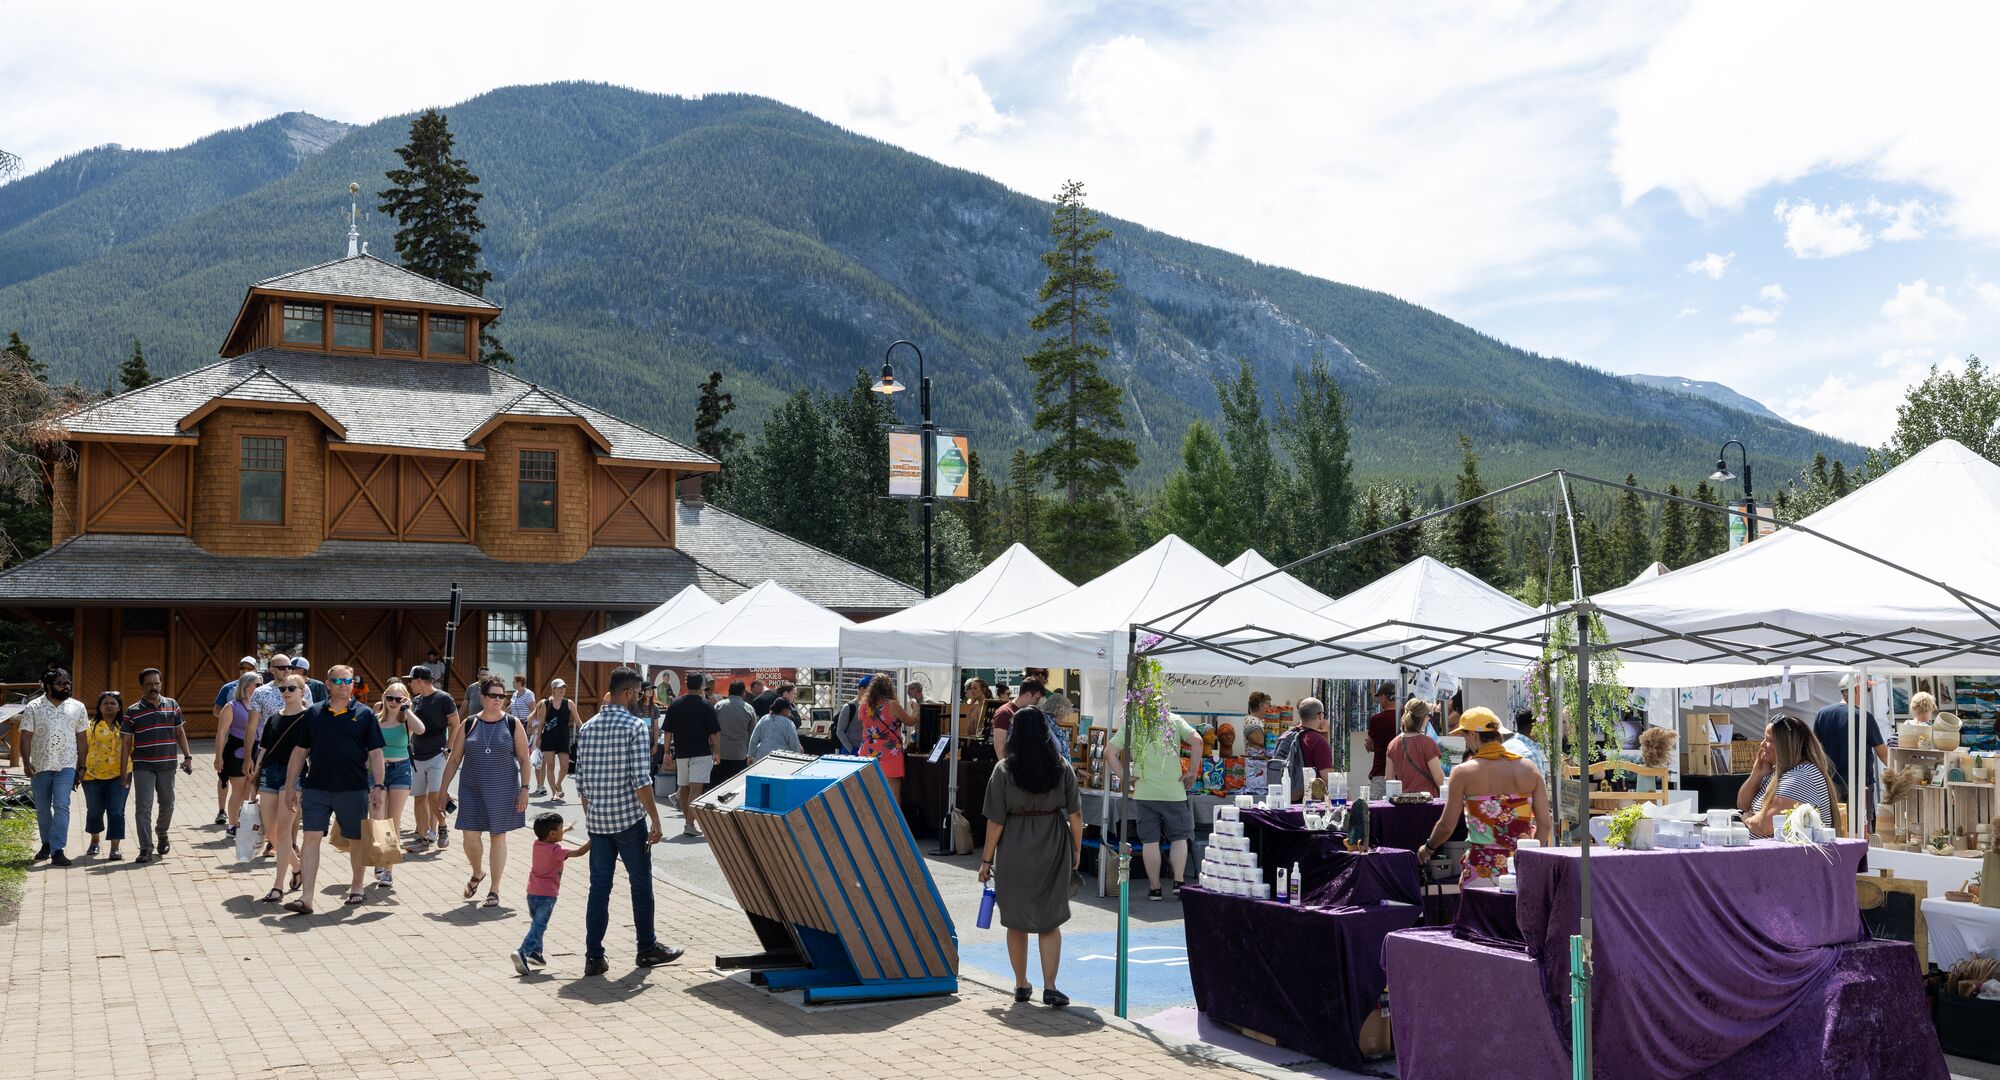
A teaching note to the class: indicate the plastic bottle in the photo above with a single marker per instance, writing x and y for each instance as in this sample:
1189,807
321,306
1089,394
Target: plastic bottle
1298,897
1284,884
1339,790
986,907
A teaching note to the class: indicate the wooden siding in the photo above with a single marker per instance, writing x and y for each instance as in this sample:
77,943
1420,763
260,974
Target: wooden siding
631,507
363,639
398,497
436,499
361,496
552,641
499,532
62,501
134,488
216,527
201,655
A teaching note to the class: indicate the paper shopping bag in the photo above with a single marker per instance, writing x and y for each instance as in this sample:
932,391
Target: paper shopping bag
334,836
379,834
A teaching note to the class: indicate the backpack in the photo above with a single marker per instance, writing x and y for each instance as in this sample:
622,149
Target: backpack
847,727
1287,751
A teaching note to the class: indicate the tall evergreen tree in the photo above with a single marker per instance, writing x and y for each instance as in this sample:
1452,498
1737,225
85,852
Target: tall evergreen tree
1837,481
784,480
433,201
1076,406
1676,543
1710,533
1369,561
979,513
712,407
1248,436
1312,428
1405,544
1631,548
134,374
1199,501
1021,504
1473,534
18,350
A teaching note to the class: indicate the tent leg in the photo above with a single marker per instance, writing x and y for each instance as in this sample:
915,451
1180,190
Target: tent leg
1121,998
947,843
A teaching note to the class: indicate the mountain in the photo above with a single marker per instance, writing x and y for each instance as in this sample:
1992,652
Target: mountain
1708,391
639,241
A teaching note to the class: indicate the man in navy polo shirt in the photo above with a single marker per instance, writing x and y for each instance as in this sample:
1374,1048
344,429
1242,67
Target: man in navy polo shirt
343,740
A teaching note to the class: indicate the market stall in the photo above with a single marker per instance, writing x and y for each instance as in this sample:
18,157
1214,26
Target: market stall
620,644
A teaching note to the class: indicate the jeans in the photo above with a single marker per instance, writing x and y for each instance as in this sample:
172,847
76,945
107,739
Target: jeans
105,799
607,850
51,789
150,782
539,910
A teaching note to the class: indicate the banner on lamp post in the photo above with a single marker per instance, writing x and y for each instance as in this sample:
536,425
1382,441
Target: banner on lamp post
951,464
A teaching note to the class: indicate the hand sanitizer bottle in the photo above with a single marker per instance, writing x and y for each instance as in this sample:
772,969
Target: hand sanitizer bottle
1298,888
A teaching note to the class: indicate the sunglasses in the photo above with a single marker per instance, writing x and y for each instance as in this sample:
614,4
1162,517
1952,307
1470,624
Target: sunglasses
288,689
502,697
397,700
340,682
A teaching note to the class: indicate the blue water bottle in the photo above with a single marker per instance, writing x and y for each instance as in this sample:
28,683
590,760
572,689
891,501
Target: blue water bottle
986,907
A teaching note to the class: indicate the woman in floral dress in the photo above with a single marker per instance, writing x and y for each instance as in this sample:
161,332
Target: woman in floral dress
1501,795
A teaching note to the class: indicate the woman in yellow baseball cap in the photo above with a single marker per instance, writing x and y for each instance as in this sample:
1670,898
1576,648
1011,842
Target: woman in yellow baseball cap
1502,796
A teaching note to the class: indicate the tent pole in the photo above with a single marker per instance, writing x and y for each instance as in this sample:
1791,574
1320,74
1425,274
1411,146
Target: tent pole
1124,858
947,843
1857,739
1580,949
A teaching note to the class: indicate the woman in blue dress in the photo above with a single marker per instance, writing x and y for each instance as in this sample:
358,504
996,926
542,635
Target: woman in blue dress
492,763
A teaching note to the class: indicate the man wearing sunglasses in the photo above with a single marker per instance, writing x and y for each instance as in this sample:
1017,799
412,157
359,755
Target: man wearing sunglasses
342,739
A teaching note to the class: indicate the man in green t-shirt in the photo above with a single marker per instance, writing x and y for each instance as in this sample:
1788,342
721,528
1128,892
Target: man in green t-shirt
1160,792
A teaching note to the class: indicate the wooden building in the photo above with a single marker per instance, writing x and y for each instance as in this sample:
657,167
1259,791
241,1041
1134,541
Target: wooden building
321,487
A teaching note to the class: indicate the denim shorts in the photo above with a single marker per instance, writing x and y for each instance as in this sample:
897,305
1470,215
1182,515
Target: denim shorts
397,774
272,779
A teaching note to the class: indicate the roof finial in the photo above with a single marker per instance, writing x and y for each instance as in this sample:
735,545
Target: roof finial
353,219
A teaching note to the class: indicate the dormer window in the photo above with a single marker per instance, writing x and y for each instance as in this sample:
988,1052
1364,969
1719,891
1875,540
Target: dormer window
305,324
400,330
354,328
447,335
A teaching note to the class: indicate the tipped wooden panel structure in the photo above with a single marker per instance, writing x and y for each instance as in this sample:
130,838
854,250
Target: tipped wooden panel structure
828,873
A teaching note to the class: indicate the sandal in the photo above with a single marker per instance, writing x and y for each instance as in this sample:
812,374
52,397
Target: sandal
298,881
299,907
492,900
273,896
472,887
355,898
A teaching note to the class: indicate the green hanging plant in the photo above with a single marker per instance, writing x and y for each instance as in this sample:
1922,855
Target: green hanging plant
1608,696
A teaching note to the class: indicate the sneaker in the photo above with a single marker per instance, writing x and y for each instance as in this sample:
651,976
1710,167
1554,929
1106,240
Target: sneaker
418,846
221,818
90,852
520,961
444,838
596,965
658,954
539,792
385,879
232,832
536,958
59,859
688,829
42,854
558,800
1054,998
1154,895
144,858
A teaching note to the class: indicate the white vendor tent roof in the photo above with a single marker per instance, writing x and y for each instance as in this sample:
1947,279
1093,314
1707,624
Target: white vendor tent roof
1419,614
1088,626
1903,574
1280,584
928,632
618,645
769,626
1658,569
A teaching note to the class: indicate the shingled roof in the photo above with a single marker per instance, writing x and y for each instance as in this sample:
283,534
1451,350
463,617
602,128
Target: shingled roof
369,278
405,404
749,553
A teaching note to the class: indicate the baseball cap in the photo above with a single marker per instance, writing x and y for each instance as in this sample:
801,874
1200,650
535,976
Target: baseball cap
557,682
862,681
248,661
419,671
300,663
1474,721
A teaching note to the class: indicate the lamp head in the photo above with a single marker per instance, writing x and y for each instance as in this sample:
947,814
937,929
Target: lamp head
887,384
1721,471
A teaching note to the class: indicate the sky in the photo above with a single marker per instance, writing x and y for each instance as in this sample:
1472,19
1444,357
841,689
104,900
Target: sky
1800,200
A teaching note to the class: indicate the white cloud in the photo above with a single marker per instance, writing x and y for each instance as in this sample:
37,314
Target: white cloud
1774,299
1815,233
1688,312
1861,407
1919,312
1758,338
1903,220
1712,264
1773,293
1989,294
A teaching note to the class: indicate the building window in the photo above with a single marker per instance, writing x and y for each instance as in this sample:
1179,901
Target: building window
399,331
447,335
260,482
537,495
353,328
507,644
280,632
305,324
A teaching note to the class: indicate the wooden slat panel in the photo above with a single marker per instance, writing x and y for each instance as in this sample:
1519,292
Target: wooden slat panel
727,840
790,874
771,849
206,643
630,507
436,501
552,652
832,887
865,845
363,639
850,882
135,488
882,844
90,672
361,496
915,872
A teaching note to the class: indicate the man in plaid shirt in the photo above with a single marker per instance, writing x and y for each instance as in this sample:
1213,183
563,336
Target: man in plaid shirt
613,769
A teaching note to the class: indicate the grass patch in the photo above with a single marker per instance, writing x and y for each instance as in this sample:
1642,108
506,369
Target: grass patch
17,838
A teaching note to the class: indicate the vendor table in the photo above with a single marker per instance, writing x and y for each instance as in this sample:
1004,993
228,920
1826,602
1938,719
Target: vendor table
926,791
1095,813
815,744
1333,875
1304,976
1708,962
1960,930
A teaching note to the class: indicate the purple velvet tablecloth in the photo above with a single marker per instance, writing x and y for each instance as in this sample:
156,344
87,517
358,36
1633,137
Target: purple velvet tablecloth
1464,1011
1334,876
1304,976
1721,942
1486,917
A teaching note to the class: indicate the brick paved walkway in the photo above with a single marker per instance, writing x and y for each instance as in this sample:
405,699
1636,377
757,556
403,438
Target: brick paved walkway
416,983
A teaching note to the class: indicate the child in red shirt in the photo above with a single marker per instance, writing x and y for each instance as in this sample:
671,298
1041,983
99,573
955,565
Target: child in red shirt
544,879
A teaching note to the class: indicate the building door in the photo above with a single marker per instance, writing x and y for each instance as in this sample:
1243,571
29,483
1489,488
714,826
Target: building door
142,644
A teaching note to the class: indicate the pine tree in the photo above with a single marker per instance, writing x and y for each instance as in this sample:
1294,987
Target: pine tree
134,374
1676,548
1405,544
1710,534
1473,534
978,513
18,349
1076,406
711,408
1837,482
1021,503
1631,549
1370,561
1198,503
1312,427
782,476
1248,436
433,201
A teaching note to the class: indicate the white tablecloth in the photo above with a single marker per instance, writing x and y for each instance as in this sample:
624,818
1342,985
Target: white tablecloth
1961,930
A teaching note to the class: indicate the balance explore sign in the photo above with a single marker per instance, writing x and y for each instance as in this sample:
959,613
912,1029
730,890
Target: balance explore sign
952,462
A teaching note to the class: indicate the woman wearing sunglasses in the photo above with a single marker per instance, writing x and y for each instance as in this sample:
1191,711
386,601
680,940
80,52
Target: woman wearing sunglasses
493,797
399,722
278,737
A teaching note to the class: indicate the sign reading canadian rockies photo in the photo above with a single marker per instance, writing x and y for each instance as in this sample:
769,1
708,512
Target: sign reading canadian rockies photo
952,465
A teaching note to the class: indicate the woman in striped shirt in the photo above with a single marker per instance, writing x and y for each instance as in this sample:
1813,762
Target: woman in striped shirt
1791,770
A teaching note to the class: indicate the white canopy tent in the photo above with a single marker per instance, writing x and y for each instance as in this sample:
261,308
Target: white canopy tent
619,645
1658,569
1416,615
1284,586
927,633
768,626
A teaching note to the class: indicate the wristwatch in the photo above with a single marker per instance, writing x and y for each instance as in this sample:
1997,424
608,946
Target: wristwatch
381,787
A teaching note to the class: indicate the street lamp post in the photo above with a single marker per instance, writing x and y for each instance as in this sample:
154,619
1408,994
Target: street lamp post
1722,473
926,448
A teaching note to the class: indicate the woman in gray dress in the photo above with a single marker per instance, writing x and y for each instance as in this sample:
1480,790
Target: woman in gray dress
493,756
1032,802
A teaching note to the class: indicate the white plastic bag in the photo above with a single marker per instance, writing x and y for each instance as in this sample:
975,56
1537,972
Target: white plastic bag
535,758
249,832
